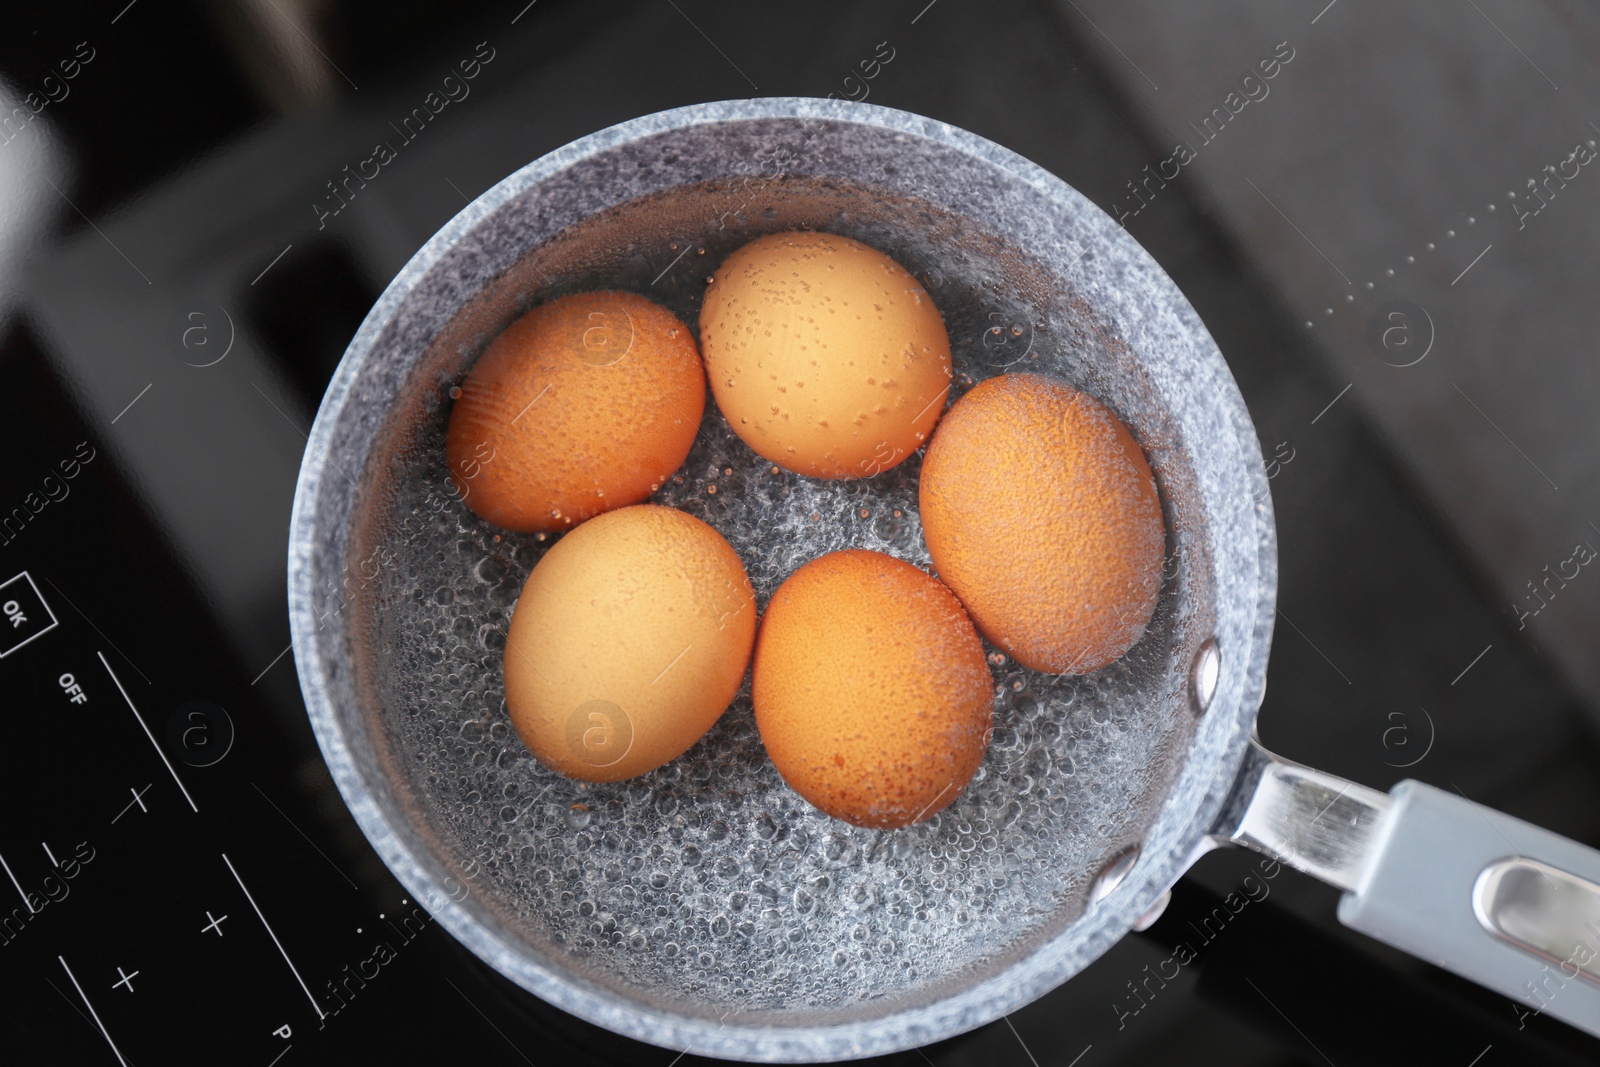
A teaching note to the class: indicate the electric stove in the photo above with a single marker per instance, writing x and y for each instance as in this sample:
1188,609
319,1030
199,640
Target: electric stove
186,261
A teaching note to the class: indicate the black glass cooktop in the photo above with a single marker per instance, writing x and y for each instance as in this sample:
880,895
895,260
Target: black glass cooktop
181,881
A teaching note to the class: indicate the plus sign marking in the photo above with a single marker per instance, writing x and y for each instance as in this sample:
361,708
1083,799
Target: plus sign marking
127,980
214,924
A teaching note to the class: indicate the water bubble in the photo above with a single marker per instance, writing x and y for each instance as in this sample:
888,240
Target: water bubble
578,816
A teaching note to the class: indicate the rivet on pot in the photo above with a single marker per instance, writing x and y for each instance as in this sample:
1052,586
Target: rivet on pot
1153,912
1112,874
1203,675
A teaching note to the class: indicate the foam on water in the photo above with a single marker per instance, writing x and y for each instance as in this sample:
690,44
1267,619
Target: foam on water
709,881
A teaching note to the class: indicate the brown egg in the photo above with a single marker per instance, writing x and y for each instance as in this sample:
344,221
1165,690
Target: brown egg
630,638
871,689
1040,511
825,355
584,404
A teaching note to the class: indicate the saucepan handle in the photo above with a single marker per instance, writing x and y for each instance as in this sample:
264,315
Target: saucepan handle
1494,899
1500,901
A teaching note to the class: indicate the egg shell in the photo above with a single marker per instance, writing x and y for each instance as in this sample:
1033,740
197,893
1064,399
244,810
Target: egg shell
871,690
1041,513
630,638
825,355
584,404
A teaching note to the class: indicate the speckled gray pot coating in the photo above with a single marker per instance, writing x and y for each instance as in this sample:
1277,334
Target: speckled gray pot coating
428,308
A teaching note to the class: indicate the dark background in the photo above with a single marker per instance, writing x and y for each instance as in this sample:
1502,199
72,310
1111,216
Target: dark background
179,171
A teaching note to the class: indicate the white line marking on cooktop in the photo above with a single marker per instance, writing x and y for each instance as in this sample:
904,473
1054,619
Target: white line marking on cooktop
275,941
147,732
25,900
103,1032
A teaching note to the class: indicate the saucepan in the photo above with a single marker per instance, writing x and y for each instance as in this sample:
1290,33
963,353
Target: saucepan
705,906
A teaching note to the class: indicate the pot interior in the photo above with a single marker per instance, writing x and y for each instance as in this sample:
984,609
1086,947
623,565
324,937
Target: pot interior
708,886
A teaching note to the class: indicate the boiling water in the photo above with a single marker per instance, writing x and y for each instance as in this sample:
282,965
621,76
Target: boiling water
709,882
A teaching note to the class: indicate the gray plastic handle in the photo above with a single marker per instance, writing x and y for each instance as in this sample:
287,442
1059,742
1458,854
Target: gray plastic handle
1492,898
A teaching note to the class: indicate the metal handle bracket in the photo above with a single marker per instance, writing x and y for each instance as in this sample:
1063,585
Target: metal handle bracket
1315,822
